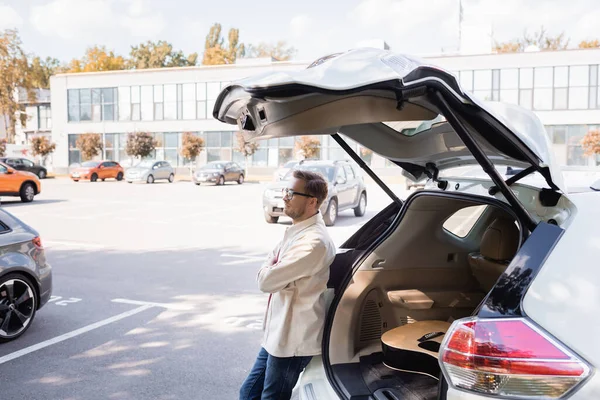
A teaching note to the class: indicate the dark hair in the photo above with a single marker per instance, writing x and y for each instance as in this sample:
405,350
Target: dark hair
314,184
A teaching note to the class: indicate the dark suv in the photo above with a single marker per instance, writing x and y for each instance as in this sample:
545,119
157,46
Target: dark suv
346,190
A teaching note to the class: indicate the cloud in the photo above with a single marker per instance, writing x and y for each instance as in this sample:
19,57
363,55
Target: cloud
299,25
148,26
9,17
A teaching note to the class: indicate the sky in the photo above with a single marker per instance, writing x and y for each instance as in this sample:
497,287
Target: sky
65,28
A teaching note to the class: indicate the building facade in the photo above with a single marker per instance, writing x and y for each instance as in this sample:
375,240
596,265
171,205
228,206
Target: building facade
562,87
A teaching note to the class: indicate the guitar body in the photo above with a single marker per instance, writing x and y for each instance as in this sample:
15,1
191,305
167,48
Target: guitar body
415,347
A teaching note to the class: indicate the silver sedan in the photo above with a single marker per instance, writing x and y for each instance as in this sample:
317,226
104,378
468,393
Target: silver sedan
149,171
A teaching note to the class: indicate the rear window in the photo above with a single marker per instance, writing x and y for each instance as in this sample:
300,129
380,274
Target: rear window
462,221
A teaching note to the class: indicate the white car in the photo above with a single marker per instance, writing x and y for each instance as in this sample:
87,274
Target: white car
472,289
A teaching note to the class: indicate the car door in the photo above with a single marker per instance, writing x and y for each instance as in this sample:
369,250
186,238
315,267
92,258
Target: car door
353,186
5,180
230,173
29,166
103,170
160,170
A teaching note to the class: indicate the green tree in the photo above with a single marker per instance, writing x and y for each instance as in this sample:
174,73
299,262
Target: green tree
90,145
159,55
309,146
246,148
191,147
41,146
97,58
215,51
279,51
14,74
539,38
41,71
140,144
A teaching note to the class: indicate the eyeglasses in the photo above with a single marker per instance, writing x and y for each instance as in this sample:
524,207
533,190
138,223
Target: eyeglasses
289,194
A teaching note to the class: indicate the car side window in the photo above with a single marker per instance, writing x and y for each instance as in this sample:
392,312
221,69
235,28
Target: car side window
341,175
3,169
349,172
28,163
11,161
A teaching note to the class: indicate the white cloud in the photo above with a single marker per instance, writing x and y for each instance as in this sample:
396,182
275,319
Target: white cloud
299,25
136,7
9,17
144,26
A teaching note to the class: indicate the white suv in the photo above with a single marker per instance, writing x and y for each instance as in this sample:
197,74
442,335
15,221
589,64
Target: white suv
474,288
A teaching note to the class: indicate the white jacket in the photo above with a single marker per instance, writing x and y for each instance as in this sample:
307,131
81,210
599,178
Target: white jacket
296,273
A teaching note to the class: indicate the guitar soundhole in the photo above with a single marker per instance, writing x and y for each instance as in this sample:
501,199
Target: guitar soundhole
430,345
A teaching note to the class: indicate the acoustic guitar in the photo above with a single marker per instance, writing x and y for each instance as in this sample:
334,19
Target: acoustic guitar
414,347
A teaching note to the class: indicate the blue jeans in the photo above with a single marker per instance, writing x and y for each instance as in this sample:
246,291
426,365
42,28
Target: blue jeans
272,378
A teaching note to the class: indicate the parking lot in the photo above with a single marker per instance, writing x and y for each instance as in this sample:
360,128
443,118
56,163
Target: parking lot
154,290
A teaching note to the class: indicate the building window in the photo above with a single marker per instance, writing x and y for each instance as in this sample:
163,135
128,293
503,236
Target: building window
509,86
170,101
135,103
189,100
212,92
147,103
124,93
74,152
91,104
45,114
158,103
466,80
561,91
171,148
594,87
526,88
543,82
483,84
201,100
32,123
579,87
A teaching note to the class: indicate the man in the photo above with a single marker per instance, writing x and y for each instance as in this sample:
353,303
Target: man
296,274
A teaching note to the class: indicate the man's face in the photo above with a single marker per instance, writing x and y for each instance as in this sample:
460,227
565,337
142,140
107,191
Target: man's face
298,206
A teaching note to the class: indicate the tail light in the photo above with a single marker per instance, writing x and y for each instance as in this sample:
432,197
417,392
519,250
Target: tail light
509,358
37,242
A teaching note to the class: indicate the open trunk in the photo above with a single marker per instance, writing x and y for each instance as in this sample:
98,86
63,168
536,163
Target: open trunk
418,268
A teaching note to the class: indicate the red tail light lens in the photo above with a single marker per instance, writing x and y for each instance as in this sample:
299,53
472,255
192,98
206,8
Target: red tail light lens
509,358
37,242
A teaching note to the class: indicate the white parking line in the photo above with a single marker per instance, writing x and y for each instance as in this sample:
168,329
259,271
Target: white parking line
170,306
72,334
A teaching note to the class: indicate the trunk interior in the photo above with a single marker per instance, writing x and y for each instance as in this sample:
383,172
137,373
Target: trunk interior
440,256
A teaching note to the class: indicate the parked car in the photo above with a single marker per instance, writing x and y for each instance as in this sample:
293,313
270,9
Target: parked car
219,172
25,276
23,164
283,170
149,171
94,170
429,299
346,190
25,185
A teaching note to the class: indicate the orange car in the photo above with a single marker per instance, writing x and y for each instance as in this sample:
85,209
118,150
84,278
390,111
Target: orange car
18,183
94,170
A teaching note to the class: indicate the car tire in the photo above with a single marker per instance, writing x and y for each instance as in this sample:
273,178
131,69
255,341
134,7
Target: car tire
41,174
221,181
27,192
94,177
103,179
120,176
240,179
359,211
171,178
271,219
75,180
150,179
23,291
197,183
332,212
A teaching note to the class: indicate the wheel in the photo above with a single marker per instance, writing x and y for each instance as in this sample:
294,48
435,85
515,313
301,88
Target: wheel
171,178
75,180
42,174
27,193
270,219
360,209
94,177
129,181
331,213
103,179
150,179
221,181
18,303
120,176
240,179
197,183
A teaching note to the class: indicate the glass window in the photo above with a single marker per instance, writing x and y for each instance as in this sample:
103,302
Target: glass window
147,103
560,99
483,94
226,139
509,78
210,105
124,103
201,91
285,155
483,79
158,111
466,80
135,112
85,104
561,76
189,92
135,94
158,93
73,101
559,134
189,110
171,156
213,155
201,110
170,98
212,90
594,97
578,98
171,140
496,79
544,77
510,96
525,98
259,158
213,139
542,99
593,75
526,78
108,95
160,139
579,75
286,141
349,172
461,222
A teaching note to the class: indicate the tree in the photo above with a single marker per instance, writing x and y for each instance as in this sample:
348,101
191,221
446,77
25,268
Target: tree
90,145
2,147
140,144
279,51
216,53
591,143
41,71
589,44
191,148
97,58
309,146
14,68
41,146
540,39
246,148
159,55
